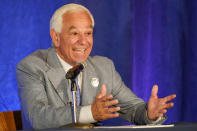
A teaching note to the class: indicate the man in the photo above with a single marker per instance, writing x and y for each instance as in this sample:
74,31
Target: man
45,93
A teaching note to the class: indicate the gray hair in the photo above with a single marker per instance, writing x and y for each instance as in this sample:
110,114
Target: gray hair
56,19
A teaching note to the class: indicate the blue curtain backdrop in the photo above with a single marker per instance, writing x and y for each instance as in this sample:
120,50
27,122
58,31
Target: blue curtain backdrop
150,42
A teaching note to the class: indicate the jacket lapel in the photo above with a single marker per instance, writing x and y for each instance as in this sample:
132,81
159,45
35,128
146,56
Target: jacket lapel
56,75
89,91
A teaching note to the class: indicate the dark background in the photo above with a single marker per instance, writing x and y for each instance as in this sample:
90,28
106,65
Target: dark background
150,41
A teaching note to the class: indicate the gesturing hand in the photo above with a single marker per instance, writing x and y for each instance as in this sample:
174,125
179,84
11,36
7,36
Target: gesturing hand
158,106
101,109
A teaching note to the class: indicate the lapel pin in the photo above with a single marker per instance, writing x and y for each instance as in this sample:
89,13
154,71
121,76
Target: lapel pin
95,82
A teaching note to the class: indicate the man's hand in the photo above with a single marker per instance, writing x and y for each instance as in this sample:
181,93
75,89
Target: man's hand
101,109
157,107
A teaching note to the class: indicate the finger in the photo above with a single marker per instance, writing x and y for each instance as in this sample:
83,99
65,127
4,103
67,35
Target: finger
113,109
163,111
102,92
110,103
106,98
169,105
169,98
160,114
107,116
154,91
112,115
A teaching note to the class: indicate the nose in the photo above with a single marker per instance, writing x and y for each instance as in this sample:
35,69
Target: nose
82,39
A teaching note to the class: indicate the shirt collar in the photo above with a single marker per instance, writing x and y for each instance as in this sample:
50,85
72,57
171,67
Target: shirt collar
64,64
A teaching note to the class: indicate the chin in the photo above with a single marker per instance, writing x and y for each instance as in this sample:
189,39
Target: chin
81,60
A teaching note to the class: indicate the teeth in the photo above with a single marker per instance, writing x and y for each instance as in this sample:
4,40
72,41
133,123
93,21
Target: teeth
79,50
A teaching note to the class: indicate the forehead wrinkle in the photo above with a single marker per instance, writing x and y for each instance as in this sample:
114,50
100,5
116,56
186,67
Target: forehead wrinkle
73,27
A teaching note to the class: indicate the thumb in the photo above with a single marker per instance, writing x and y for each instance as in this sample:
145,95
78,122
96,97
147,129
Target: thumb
102,92
154,91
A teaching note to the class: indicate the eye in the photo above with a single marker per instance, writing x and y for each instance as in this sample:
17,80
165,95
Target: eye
89,33
74,33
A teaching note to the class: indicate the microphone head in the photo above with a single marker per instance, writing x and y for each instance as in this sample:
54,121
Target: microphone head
75,70
84,65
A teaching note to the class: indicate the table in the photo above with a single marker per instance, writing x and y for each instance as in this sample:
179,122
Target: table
176,127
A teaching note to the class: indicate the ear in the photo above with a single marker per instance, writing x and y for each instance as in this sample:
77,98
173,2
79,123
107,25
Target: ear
55,38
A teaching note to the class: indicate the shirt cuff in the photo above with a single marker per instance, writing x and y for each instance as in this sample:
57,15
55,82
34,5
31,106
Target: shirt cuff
159,120
85,115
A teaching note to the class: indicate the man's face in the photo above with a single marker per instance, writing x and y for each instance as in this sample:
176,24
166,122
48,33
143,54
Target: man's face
76,38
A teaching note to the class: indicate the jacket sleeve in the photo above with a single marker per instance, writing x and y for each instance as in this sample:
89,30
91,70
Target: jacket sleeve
132,108
37,111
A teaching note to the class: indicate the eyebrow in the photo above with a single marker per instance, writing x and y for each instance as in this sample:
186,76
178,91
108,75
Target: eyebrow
91,27
71,28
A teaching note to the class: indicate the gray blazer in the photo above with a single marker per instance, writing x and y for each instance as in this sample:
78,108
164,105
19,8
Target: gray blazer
45,93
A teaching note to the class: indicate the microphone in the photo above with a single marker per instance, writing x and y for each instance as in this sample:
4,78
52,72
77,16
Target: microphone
74,72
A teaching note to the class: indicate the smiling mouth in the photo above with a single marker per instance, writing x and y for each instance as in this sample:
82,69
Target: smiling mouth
79,50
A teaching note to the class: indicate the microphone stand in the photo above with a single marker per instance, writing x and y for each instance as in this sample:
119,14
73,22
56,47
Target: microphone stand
75,123
74,105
